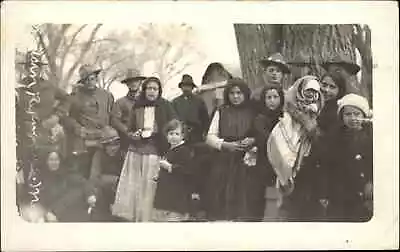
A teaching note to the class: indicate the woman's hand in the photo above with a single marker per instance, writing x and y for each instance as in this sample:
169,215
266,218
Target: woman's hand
324,202
91,200
233,146
248,141
135,135
166,165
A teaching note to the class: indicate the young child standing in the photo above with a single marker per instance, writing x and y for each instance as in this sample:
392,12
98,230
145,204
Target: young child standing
175,187
350,161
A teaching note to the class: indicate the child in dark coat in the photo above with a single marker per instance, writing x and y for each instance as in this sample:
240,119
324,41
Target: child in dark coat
175,188
350,160
270,111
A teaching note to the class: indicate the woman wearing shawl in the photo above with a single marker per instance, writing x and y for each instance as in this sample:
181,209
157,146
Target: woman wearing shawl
65,195
333,89
271,110
315,190
231,133
291,139
138,179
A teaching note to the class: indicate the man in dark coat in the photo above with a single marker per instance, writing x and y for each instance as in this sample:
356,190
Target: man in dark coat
191,110
123,107
90,112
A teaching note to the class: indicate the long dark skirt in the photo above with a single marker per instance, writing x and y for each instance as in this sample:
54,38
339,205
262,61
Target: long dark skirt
228,188
257,181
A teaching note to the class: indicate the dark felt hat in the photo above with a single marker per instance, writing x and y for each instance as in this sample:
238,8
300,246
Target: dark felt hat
86,70
132,74
351,67
187,80
301,59
28,59
276,59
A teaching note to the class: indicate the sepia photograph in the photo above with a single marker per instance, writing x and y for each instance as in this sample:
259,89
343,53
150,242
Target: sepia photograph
194,122
279,130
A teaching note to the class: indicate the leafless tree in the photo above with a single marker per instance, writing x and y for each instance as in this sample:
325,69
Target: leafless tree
171,47
61,46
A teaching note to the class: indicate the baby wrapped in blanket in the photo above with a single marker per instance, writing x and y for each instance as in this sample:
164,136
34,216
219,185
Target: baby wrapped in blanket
291,138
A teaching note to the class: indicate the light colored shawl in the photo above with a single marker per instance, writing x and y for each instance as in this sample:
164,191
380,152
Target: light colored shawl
289,142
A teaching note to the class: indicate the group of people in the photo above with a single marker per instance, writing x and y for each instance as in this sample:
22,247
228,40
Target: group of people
209,154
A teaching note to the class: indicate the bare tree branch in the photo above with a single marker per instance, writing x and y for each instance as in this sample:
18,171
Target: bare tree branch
50,60
118,61
84,51
69,45
179,71
162,60
110,81
111,40
55,45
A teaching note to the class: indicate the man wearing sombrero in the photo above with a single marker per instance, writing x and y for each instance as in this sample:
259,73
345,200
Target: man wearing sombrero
123,106
191,109
89,117
343,69
274,68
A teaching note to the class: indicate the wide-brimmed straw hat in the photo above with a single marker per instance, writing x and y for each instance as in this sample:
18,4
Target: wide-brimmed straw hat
351,67
132,74
276,59
187,80
86,70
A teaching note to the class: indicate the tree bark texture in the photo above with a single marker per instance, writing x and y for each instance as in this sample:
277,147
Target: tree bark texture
254,42
318,43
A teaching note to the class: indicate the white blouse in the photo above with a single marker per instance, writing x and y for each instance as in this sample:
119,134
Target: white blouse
149,117
212,136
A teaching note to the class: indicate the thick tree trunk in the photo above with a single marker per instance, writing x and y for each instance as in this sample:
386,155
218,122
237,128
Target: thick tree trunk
321,43
318,42
363,43
254,42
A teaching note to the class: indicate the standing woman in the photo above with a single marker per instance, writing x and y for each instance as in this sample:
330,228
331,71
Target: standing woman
231,134
138,179
333,89
289,144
